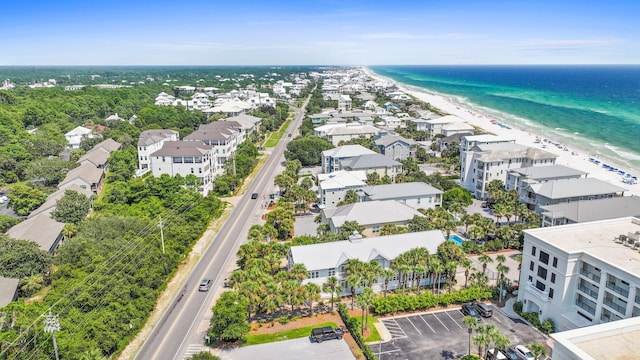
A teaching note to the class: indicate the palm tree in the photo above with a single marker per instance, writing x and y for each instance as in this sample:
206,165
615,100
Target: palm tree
537,349
472,324
486,333
312,293
31,284
291,291
485,259
466,264
451,267
364,301
298,272
519,260
354,281
330,286
476,232
387,274
437,267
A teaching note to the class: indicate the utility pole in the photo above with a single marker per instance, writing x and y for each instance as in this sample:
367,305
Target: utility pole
161,232
51,325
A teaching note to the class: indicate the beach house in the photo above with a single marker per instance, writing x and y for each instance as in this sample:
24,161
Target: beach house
418,195
329,259
151,141
590,210
331,158
396,147
332,187
372,215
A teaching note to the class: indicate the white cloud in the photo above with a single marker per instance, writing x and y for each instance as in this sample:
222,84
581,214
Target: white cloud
570,44
397,36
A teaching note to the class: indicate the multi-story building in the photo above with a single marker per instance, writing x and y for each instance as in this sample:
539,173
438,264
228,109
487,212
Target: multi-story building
567,190
396,147
418,195
590,210
186,158
332,187
434,126
151,141
491,158
582,274
223,136
331,158
519,179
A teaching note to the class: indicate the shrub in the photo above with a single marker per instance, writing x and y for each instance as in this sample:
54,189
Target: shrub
470,357
354,329
547,326
517,307
532,318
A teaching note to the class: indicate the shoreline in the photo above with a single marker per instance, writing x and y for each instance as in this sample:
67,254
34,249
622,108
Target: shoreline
572,157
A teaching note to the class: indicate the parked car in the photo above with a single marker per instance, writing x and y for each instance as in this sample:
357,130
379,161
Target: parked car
254,196
205,285
524,353
495,354
511,354
484,309
326,333
468,309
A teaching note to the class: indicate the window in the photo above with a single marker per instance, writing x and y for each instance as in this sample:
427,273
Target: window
531,266
530,279
375,229
540,285
550,293
553,278
542,272
555,262
314,274
332,272
533,250
544,257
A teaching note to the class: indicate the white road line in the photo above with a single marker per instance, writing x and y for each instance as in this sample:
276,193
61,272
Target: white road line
387,352
454,320
425,321
414,326
394,328
445,326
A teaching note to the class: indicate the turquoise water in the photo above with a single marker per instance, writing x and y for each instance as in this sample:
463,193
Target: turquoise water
456,239
592,108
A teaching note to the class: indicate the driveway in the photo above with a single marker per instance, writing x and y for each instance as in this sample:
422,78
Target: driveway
295,349
443,335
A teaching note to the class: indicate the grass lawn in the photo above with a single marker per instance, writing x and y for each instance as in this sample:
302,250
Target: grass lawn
373,332
285,335
276,136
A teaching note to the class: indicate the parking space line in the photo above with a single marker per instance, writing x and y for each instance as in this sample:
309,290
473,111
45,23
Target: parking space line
454,320
394,328
414,326
445,326
387,352
425,321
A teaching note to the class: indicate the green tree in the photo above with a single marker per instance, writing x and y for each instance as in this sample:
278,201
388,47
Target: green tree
31,284
229,320
484,260
25,198
312,293
52,171
457,195
348,228
73,207
364,301
332,286
350,197
6,222
20,258
537,349
471,323
204,355
307,150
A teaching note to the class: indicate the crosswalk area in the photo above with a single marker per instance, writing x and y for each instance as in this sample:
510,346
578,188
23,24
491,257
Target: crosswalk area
394,328
192,349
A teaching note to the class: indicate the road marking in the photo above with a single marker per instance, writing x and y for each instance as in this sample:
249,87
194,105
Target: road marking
425,321
414,326
454,320
387,352
192,349
445,326
394,329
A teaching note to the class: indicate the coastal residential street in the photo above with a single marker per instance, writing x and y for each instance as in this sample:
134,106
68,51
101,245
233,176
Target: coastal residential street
182,329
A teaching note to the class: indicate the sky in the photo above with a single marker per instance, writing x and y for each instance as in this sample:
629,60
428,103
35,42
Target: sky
319,32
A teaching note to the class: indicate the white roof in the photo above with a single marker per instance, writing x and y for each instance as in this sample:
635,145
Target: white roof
371,212
457,126
342,179
333,254
487,138
567,188
79,130
347,151
445,120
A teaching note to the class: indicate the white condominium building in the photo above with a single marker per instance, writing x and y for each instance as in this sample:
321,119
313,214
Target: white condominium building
186,158
582,274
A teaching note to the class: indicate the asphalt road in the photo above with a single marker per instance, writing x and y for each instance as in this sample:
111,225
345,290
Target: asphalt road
179,331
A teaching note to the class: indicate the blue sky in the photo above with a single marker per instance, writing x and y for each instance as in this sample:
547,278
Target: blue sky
200,32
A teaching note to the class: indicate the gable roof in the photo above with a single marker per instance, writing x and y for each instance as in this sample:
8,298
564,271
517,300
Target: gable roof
548,172
342,179
398,191
149,137
593,210
86,172
52,200
371,213
353,130
448,119
183,148
503,151
347,151
41,229
565,188
333,254
9,288
78,130
368,161
390,139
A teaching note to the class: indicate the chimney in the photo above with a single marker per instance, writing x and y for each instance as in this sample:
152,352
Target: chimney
355,237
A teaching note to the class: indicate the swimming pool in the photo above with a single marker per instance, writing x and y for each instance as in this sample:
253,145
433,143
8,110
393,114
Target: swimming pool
456,239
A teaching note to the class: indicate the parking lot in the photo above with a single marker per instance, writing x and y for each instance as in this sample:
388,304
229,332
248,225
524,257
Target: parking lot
443,335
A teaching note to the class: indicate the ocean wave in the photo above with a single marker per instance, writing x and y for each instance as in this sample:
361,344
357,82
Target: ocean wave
623,154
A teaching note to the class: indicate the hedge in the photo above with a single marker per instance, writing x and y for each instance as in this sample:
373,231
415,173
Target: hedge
354,328
410,302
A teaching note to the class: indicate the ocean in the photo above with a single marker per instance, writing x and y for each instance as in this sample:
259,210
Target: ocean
592,108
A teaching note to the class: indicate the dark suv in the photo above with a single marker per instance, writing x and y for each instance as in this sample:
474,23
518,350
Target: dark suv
468,309
484,309
326,333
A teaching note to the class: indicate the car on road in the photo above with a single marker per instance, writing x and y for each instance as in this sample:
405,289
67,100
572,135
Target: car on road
483,309
511,354
326,333
254,196
495,354
524,353
468,309
205,285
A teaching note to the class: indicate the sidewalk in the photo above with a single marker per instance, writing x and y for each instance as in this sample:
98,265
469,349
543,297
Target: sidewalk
508,309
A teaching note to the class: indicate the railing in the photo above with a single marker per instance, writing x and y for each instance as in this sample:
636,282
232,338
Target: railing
621,309
584,306
590,275
542,295
617,289
586,290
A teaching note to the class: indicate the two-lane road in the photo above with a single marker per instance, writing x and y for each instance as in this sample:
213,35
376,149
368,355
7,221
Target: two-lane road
181,328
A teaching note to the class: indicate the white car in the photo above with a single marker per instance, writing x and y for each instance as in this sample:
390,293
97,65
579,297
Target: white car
4,199
524,353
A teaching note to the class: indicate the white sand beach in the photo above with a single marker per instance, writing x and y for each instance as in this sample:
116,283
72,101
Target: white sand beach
572,157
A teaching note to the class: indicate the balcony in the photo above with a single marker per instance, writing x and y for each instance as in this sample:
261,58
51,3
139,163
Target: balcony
542,295
616,307
621,291
593,294
591,276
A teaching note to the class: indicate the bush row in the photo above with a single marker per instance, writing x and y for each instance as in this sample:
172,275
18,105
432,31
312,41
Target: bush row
410,302
546,326
354,327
